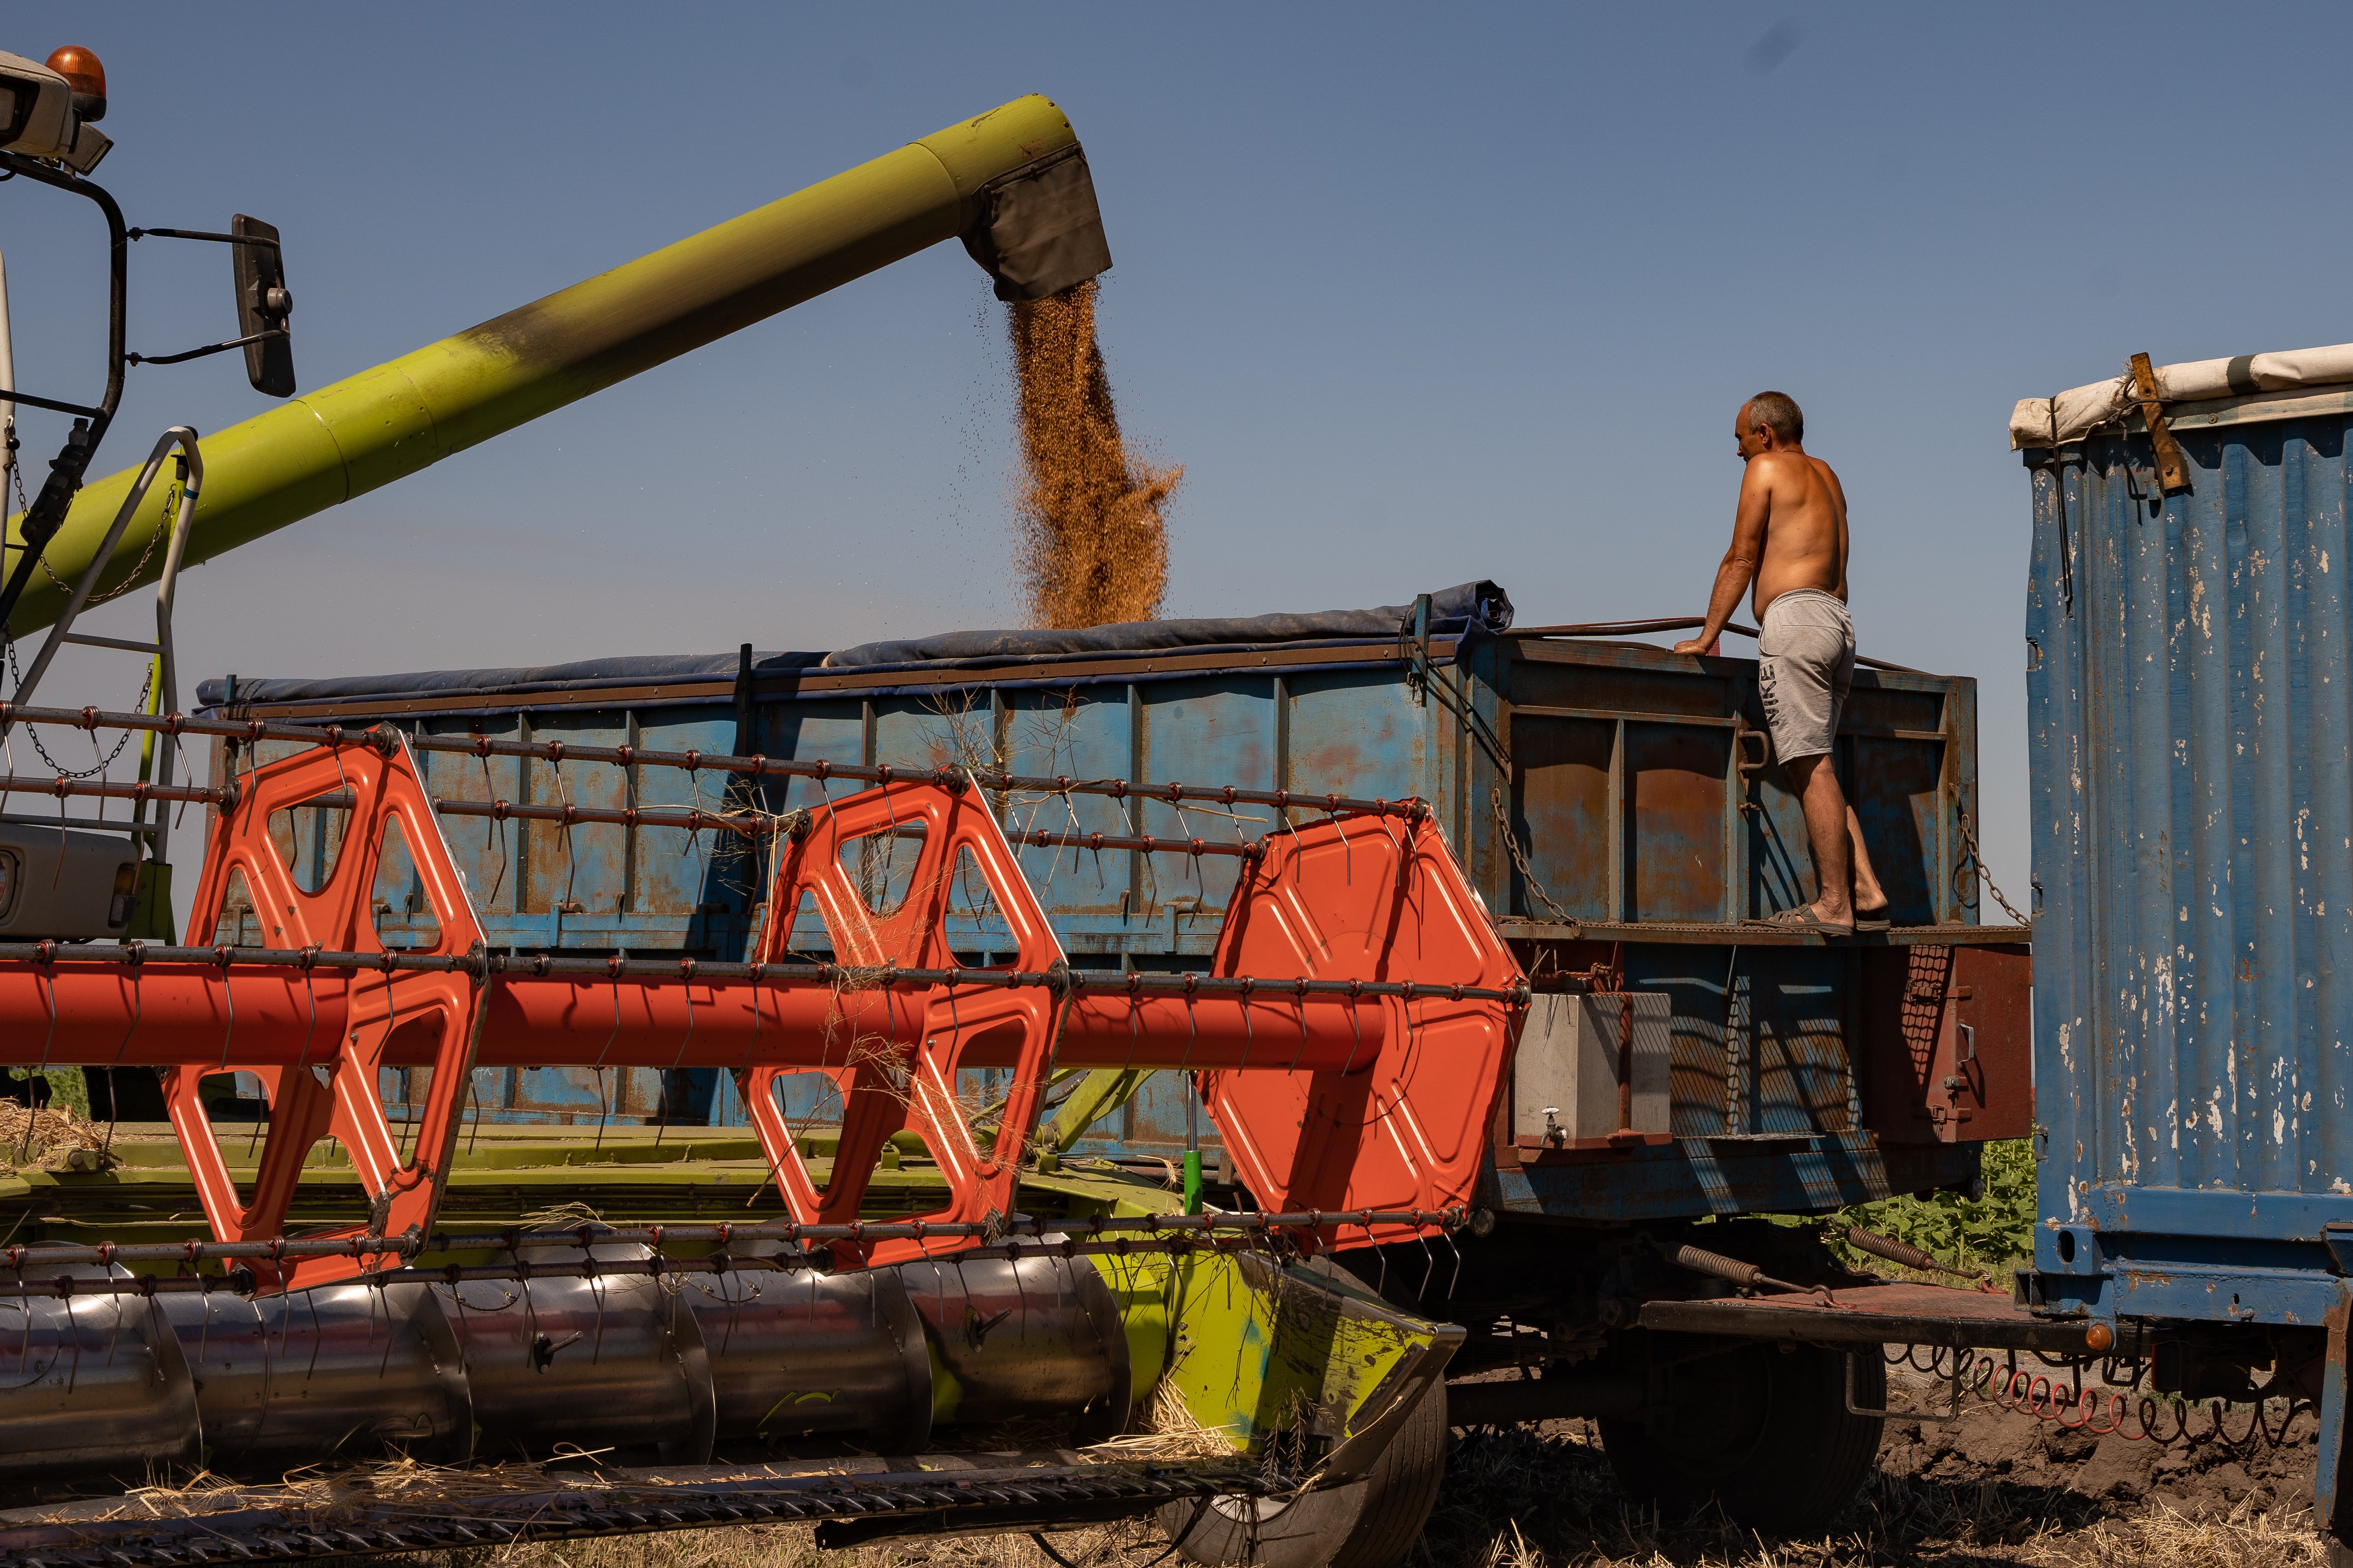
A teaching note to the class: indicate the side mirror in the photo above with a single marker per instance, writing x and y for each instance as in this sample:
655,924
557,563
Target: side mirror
262,305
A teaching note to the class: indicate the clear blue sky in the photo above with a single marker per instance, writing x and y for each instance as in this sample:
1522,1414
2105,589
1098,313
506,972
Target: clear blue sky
1416,294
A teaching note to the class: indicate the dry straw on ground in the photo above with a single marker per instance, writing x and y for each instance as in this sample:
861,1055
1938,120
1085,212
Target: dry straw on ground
1522,1499
1094,548
52,1137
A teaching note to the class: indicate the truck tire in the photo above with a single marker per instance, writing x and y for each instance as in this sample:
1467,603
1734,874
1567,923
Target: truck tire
1772,1440
1368,1525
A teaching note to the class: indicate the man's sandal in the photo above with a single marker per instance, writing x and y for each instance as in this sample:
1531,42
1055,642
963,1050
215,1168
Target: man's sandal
1879,921
1800,919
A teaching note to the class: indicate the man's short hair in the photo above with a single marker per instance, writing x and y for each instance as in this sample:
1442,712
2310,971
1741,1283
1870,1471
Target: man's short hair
1777,412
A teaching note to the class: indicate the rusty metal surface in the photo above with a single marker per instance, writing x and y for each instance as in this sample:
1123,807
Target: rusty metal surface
2190,715
2172,471
1633,779
1888,1313
1642,785
1950,1052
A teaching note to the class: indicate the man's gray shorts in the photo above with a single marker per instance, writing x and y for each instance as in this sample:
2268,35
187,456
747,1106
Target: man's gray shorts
1804,663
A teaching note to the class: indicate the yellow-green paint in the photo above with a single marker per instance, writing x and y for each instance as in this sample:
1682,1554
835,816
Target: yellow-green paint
151,911
1256,1349
1148,1309
1101,1092
369,429
947,1393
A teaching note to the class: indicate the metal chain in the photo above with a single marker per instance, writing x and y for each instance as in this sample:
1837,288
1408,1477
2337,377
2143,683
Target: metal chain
15,677
1977,858
1499,748
1496,747
1520,860
171,502
16,472
33,732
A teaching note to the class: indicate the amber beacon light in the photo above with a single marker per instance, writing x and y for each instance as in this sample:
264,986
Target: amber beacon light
85,75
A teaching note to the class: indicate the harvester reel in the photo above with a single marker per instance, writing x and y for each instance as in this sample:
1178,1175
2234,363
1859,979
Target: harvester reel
905,1073
1402,1122
352,1025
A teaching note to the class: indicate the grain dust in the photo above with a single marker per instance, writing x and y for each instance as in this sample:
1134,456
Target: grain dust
1093,544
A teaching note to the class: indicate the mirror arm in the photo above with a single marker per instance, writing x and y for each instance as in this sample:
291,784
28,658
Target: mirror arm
262,240
208,348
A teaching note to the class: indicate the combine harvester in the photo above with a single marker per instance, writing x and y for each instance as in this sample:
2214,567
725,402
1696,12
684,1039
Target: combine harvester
978,1330
659,1092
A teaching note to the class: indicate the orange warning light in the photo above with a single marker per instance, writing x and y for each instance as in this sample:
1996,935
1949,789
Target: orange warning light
85,75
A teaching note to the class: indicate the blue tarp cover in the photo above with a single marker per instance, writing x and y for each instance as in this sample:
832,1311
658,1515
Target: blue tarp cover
1481,605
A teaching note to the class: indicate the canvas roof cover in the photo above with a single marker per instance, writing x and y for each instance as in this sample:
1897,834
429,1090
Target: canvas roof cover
2076,413
1453,611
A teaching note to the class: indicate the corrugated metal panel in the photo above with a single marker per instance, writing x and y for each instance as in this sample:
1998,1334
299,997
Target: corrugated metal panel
2190,705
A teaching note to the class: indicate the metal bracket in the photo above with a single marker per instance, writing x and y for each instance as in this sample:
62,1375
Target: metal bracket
2337,1236
1854,1409
2172,468
1417,652
1752,769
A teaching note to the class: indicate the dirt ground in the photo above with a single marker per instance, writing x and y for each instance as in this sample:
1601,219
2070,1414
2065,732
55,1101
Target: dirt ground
1993,1488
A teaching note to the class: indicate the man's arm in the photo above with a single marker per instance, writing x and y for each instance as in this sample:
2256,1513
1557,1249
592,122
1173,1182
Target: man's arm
1739,568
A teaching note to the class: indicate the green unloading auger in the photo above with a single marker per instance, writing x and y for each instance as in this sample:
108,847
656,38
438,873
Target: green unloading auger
1012,184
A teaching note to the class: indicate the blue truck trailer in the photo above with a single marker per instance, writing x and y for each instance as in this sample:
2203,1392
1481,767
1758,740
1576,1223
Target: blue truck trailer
1612,803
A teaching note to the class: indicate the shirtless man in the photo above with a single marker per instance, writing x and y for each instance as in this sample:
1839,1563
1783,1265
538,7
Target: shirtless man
1789,537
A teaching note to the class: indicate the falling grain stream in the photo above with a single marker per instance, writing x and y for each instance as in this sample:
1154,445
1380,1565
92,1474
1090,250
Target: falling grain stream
1093,546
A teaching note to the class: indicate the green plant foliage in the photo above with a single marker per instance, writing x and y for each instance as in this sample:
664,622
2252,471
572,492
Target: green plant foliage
63,1087
1968,1233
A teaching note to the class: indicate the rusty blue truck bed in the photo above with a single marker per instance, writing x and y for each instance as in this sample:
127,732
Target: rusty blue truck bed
1635,783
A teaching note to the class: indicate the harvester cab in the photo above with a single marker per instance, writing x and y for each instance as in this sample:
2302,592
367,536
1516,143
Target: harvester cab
105,885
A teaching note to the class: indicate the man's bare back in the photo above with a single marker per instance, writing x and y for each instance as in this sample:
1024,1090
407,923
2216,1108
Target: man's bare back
1789,530
1804,524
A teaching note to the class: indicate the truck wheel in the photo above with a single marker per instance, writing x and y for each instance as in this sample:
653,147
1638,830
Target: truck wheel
1367,1524
1769,1436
